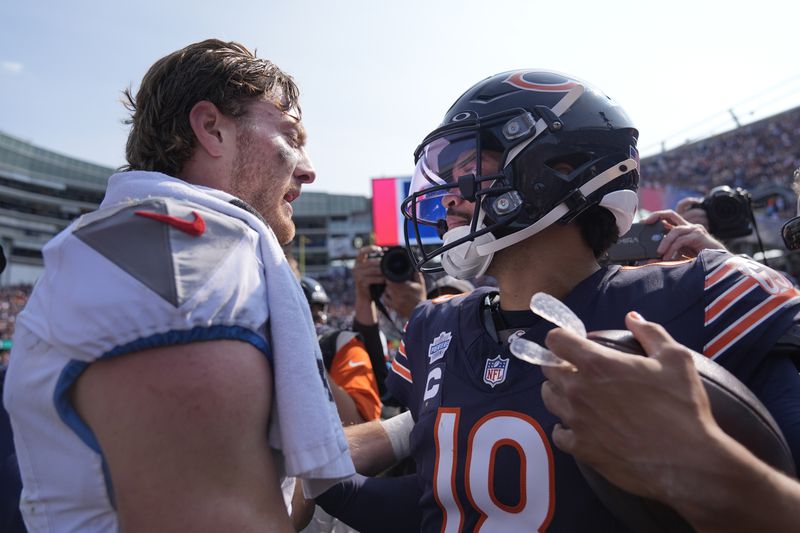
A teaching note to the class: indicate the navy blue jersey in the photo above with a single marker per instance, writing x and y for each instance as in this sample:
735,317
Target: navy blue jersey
482,435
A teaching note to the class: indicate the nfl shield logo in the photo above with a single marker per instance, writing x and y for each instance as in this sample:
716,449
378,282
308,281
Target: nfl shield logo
495,372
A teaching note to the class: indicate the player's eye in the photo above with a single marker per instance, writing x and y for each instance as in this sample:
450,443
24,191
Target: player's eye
294,140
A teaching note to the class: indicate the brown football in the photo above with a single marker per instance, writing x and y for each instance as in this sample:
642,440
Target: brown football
736,409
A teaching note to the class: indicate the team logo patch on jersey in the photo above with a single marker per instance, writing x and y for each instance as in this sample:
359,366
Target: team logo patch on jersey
439,345
495,371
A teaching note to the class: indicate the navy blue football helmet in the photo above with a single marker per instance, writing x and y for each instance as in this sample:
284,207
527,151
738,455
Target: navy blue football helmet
524,123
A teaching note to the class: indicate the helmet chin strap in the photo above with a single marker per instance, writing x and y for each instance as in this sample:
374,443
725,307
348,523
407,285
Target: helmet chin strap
488,248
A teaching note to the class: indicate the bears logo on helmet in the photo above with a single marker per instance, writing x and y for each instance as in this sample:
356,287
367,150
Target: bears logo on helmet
531,80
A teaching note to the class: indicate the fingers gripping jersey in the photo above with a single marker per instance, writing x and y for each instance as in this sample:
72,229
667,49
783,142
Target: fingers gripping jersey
482,437
118,282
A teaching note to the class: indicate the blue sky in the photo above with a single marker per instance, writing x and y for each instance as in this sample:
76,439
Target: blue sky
376,77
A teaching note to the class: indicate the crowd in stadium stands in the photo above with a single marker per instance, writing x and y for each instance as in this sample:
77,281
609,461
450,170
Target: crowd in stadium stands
12,300
339,285
761,153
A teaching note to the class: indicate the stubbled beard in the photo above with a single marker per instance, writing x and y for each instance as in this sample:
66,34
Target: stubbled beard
249,174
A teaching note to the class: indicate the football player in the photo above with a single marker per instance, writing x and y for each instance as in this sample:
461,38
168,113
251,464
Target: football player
530,178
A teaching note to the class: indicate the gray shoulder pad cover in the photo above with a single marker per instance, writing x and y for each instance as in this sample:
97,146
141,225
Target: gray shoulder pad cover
170,246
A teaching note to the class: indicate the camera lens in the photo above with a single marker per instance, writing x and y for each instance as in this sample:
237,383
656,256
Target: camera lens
728,209
728,212
396,265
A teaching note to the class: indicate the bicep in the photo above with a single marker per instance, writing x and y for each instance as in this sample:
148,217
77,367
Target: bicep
183,430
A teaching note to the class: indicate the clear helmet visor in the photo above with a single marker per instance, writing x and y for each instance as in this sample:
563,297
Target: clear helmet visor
442,162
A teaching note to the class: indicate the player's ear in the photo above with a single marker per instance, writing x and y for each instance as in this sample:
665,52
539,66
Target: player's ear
213,130
562,167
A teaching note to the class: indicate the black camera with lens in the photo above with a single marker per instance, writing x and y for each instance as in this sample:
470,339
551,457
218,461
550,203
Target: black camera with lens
396,266
729,212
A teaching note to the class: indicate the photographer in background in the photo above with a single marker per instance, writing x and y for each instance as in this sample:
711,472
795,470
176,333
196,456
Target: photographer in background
683,239
690,209
696,224
714,222
401,297
725,212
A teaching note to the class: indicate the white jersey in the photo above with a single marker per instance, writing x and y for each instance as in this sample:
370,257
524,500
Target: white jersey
122,279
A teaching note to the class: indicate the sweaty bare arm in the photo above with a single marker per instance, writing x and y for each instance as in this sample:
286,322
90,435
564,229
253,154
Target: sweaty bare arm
345,405
184,432
370,448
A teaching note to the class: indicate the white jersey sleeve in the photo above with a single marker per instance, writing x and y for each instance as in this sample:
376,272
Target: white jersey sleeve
130,277
119,276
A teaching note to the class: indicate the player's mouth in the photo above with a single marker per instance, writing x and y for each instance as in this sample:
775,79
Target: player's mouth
290,197
454,219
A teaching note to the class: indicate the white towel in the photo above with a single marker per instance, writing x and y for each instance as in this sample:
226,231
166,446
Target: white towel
304,423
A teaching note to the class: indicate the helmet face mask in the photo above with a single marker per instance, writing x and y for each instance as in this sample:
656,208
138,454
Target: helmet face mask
523,124
447,165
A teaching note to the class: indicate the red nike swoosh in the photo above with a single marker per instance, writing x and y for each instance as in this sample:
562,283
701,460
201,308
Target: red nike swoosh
196,227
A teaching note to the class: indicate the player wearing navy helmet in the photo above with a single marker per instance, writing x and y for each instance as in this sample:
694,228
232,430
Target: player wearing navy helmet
530,178
527,149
